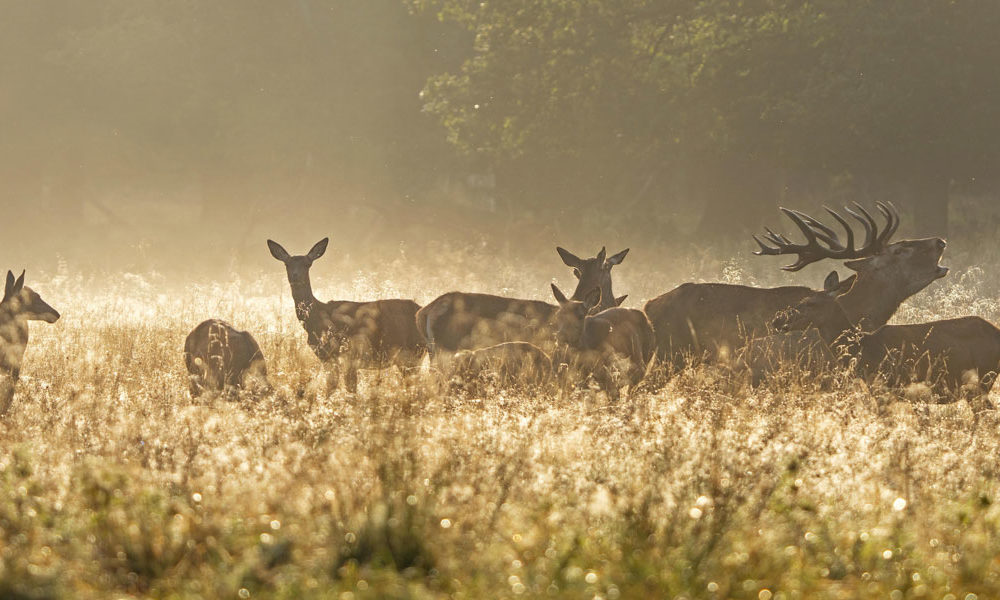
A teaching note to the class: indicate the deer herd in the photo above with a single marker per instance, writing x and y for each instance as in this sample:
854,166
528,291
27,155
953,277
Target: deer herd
589,335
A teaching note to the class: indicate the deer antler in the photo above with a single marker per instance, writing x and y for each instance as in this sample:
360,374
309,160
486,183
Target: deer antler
831,247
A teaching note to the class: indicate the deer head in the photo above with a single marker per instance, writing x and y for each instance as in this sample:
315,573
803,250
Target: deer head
819,311
297,267
593,273
568,320
895,270
25,304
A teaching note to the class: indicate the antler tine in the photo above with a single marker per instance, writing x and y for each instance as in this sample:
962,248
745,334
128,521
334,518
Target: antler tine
809,252
800,222
849,246
775,238
817,224
823,232
871,227
816,232
887,209
895,213
765,250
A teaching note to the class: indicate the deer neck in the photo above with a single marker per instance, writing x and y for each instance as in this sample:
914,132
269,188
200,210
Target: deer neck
607,296
304,299
13,331
869,304
831,332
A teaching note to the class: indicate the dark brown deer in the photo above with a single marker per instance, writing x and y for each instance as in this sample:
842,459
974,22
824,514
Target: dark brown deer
467,321
947,354
20,304
349,335
614,345
511,363
712,320
221,358
594,273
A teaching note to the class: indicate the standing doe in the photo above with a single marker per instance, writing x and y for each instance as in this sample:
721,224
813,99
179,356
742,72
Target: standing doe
20,304
349,335
220,357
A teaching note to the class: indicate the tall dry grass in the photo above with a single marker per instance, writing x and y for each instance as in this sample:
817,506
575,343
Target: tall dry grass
115,484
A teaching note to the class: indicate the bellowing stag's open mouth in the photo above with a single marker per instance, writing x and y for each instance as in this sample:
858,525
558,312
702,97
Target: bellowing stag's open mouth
941,269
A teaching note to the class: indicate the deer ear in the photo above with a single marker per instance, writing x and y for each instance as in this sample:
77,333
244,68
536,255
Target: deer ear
560,297
617,259
831,283
9,286
569,259
319,249
277,251
620,299
19,284
602,254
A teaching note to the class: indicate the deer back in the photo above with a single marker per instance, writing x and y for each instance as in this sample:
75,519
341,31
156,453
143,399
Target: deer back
944,351
217,355
716,318
463,321
372,332
512,362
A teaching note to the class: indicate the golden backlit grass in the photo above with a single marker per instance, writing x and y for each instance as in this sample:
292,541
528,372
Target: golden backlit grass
115,484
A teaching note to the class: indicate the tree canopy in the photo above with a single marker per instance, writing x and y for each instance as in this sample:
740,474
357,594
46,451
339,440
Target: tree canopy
736,96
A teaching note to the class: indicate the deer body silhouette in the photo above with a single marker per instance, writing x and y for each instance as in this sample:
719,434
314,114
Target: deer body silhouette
220,357
347,335
20,304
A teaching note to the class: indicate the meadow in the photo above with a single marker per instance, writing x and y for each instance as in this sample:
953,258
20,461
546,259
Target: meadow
115,484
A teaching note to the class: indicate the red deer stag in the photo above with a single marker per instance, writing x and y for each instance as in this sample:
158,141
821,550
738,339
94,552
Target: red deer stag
713,319
603,342
220,358
20,304
466,321
947,354
349,335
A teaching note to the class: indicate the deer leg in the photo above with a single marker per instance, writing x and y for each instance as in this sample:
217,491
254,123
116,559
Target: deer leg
332,374
6,393
255,378
980,403
194,387
607,382
351,377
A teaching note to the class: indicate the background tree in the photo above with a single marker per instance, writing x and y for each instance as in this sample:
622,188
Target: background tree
732,98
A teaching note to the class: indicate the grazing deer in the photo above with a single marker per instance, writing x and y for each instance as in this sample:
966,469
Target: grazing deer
513,364
220,357
948,354
714,319
20,304
598,341
466,321
349,335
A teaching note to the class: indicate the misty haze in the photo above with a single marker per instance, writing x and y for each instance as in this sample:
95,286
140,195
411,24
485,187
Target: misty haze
461,299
